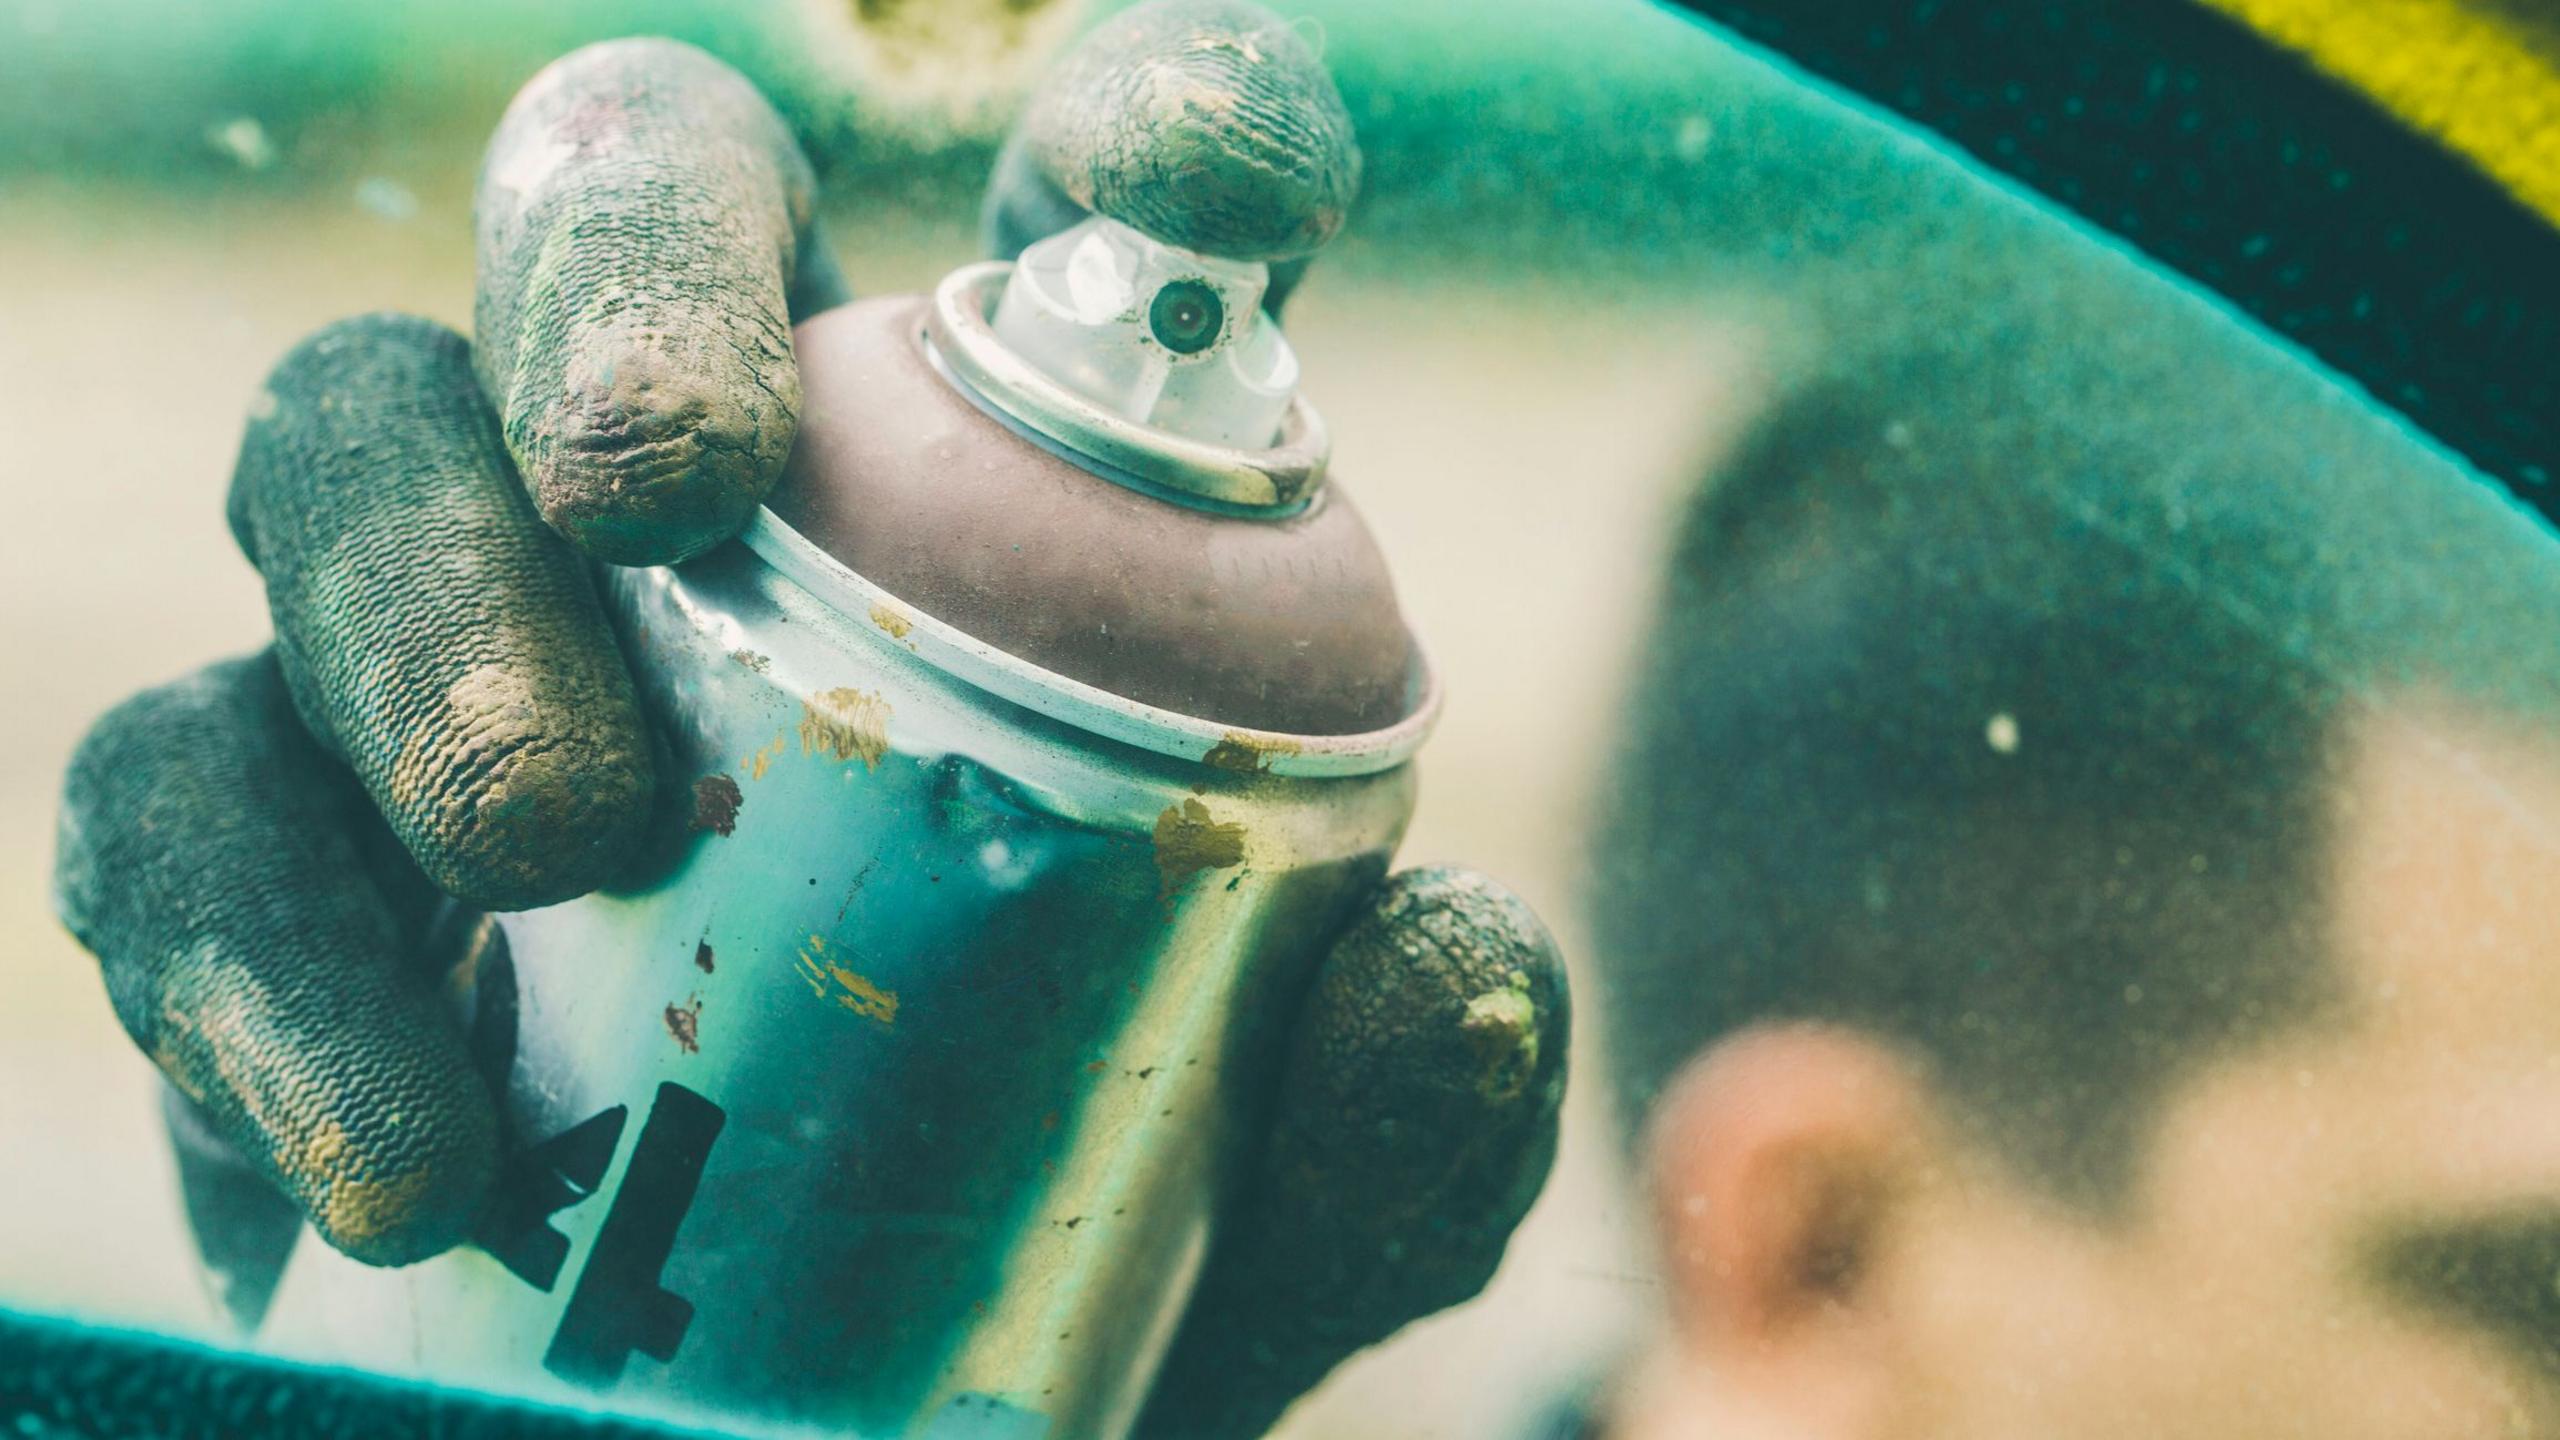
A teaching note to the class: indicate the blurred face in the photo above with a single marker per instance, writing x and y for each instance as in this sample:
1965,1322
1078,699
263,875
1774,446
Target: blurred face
2350,1230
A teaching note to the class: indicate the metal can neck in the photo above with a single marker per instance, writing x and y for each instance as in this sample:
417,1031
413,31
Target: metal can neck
1148,362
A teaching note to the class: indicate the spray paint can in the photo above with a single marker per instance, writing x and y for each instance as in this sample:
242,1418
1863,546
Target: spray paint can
1025,754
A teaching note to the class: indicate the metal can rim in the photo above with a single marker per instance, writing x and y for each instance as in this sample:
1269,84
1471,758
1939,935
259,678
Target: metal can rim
1088,707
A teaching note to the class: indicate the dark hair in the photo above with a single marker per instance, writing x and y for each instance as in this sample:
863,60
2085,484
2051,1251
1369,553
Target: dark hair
2002,776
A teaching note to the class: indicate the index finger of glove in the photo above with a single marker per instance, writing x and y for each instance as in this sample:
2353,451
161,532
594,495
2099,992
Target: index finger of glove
642,212
434,635
212,858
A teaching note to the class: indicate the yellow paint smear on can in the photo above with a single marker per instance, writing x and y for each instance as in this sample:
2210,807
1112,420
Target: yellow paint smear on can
847,723
829,980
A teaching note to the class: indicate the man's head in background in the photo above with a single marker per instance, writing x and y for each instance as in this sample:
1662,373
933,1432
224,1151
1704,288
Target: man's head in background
2084,953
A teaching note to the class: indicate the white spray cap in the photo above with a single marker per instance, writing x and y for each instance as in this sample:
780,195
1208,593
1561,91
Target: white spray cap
1158,335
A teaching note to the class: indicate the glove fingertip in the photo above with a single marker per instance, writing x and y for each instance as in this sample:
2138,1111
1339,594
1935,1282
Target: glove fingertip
1415,1124
640,214
1470,982
649,456
208,860
1209,124
405,1206
357,1099
549,819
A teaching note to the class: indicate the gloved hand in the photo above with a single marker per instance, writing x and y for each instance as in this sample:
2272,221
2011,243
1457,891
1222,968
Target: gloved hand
260,854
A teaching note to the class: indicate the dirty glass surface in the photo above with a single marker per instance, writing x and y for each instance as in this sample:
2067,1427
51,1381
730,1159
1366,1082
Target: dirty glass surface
2046,794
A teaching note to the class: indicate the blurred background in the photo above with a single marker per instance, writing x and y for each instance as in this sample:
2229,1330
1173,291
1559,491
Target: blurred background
1544,319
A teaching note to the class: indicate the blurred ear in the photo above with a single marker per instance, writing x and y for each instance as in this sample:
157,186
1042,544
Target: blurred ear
1782,1162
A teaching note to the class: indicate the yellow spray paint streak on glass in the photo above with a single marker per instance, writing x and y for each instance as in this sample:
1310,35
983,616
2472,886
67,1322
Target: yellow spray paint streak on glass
2480,82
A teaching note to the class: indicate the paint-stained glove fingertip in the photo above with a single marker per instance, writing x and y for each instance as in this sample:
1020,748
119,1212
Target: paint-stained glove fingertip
434,633
1415,1124
1208,124
531,807
207,856
640,216
650,454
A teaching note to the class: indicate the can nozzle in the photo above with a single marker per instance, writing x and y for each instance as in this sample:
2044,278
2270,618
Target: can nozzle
1163,336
